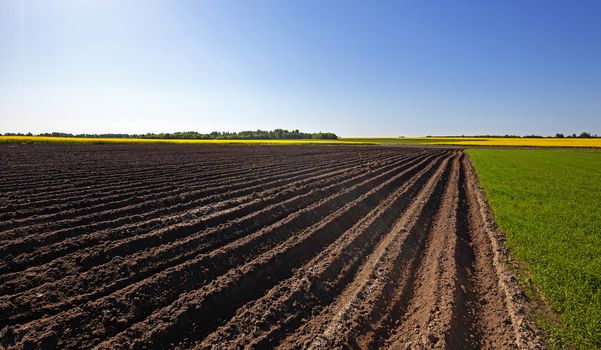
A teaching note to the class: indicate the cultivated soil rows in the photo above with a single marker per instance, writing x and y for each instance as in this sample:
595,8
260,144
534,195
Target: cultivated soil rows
312,247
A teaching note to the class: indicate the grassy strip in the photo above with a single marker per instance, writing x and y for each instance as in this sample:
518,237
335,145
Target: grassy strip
548,203
76,140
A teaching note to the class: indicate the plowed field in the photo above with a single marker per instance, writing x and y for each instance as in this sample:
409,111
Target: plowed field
183,246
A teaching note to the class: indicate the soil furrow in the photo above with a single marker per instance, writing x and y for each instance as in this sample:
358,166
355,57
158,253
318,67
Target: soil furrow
146,265
261,203
312,288
250,281
190,200
179,175
434,291
131,198
350,321
69,172
502,309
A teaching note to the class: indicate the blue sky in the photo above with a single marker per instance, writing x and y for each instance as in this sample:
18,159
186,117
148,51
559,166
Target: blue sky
357,68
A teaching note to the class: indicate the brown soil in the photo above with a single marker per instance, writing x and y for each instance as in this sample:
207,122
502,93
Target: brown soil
186,246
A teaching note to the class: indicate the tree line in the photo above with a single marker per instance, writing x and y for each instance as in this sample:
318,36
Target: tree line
582,135
277,134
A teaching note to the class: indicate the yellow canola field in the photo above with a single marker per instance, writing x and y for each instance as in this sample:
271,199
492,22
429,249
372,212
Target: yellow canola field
459,141
83,140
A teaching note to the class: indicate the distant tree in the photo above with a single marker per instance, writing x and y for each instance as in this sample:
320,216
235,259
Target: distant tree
584,135
559,136
324,136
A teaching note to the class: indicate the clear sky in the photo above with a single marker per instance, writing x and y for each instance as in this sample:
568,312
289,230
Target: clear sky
357,68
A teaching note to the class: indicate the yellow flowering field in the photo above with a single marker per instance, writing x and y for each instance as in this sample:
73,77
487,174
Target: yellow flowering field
459,141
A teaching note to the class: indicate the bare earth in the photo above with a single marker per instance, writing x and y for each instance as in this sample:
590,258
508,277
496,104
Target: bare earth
311,247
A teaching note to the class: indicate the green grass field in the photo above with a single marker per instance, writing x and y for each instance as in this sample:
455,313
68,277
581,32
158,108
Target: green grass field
548,203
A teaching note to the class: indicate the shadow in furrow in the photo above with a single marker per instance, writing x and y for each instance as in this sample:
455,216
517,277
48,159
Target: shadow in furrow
464,333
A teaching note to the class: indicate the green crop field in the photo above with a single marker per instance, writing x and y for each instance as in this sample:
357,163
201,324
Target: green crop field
548,203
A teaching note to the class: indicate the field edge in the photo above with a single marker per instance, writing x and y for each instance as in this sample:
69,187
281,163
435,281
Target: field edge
520,307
